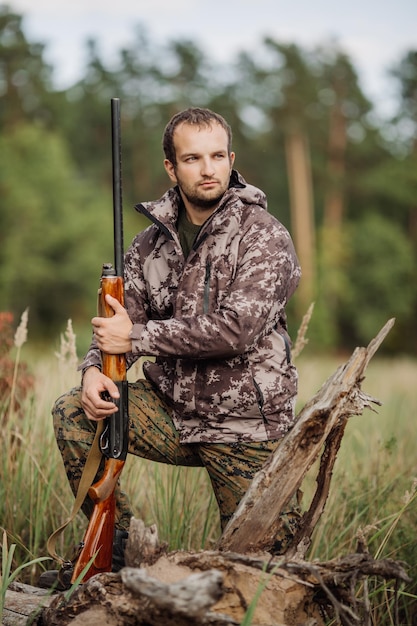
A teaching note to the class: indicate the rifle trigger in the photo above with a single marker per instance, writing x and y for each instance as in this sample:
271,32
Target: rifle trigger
105,441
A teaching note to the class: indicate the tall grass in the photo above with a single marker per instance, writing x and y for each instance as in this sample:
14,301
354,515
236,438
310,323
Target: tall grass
372,492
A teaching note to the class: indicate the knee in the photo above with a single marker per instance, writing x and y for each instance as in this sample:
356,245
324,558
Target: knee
65,410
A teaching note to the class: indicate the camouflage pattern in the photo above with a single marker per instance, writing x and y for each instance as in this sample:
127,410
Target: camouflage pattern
215,321
153,436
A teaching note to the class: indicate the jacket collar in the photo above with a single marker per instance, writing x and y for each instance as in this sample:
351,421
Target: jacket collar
164,212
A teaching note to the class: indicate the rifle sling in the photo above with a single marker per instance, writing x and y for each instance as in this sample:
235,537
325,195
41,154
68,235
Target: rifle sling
89,472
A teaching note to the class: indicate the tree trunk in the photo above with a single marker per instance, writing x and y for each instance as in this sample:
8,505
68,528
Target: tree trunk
302,212
332,245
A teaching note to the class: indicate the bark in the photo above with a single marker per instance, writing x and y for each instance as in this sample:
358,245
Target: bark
23,601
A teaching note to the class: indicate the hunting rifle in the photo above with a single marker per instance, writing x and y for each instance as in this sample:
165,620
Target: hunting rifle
97,545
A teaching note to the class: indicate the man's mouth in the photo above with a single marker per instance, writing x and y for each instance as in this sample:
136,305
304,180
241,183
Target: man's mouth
208,183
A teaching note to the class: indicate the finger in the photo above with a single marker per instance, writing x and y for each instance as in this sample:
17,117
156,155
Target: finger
98,415
97,409
115,304
104,398
92,395
111,387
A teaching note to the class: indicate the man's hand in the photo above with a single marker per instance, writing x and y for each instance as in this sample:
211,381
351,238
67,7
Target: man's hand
112,333
94,385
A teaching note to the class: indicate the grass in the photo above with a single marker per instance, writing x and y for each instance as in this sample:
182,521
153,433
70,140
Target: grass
373,490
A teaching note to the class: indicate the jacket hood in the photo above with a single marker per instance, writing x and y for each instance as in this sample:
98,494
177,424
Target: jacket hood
246,193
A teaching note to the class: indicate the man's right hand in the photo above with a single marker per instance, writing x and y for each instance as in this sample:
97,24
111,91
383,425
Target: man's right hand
95,385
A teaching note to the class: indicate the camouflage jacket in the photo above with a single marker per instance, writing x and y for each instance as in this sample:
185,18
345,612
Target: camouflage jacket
215,321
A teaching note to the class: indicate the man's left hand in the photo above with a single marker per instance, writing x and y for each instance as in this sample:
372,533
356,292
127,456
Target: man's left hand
112,333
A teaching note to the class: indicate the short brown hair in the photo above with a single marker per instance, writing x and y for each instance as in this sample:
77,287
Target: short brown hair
193,115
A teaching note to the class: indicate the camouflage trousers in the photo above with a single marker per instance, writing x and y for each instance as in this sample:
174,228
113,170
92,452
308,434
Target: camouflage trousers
153,436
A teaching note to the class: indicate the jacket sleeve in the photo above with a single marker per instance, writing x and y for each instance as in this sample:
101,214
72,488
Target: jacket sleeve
266,275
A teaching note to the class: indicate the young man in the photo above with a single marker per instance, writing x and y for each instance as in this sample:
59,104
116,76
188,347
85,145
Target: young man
206,287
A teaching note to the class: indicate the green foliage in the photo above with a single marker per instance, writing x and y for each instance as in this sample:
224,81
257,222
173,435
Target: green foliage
381,277
53,229
7,575
24,76
406,74
373,498
55,169
180,499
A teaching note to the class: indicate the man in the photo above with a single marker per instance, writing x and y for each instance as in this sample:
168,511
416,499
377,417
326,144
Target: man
206,287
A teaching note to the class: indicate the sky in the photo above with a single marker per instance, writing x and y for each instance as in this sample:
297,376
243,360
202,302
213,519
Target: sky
374,33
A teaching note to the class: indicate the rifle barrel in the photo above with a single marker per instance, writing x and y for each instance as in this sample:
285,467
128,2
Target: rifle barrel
117,186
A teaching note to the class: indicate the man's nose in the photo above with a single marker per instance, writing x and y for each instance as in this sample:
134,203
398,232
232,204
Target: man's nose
207,167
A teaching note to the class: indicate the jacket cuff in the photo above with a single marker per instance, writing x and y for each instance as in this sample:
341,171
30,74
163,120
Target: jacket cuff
135,335
92,358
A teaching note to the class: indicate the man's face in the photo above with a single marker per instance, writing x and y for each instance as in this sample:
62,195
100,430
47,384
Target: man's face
203,166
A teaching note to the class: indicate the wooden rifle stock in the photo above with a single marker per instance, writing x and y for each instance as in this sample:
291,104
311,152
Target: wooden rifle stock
97,545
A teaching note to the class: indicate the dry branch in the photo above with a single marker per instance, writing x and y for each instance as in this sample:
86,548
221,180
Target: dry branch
320,424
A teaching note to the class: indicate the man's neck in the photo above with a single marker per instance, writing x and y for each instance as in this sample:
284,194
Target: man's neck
198,215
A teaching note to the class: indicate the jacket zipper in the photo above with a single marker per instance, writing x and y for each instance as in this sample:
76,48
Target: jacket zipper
260,400
287,348
206,299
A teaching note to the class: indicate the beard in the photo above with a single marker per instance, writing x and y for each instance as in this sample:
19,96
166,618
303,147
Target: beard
202,201
201,198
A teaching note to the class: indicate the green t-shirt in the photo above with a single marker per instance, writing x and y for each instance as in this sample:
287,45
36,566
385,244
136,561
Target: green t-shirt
187,231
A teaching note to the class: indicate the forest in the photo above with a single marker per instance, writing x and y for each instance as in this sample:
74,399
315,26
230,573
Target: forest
338,176
342,180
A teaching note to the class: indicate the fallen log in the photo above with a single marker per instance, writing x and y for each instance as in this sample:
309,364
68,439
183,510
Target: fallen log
134,597
219,589
22,601
177,590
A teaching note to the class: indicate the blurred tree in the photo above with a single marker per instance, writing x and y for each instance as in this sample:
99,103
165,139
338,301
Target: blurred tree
345,108
270,92
406,119
406,74
380,281
86,123
404,175
54,231
25,79
295,89
303,131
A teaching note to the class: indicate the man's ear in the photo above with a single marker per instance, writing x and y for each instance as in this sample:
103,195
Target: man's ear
170,170
232,159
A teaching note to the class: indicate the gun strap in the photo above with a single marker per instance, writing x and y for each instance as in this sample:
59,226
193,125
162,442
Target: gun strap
87,477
